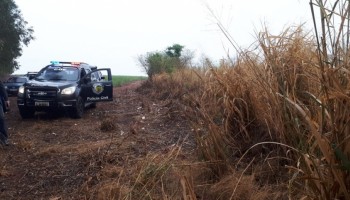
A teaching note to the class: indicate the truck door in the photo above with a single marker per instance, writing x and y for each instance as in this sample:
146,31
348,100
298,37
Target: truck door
97,86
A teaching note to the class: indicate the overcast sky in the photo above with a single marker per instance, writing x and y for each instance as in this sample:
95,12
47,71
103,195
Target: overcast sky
110,33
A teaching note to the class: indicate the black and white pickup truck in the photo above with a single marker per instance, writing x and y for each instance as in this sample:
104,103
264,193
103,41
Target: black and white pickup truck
71,86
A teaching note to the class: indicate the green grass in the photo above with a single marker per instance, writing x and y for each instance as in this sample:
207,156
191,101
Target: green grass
122,80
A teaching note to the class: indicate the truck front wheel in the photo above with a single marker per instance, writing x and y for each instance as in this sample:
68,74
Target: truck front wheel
26,112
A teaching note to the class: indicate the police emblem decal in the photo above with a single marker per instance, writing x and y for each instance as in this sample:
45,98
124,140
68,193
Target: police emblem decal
97,88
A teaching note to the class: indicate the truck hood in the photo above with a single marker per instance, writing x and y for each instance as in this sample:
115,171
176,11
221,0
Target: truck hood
56,84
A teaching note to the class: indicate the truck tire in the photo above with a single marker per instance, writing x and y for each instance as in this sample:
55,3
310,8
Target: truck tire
78,111
93,105
26,112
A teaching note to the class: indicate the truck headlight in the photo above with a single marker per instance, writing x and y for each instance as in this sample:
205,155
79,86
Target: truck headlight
68,91
21,90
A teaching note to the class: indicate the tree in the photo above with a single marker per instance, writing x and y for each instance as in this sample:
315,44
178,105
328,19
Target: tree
14,33
174,51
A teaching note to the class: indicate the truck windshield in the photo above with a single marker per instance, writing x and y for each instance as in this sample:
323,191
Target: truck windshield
59,74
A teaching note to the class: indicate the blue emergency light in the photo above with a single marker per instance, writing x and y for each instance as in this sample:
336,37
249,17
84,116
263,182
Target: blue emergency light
55,62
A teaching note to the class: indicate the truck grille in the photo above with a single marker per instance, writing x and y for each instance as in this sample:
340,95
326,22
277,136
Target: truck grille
42,94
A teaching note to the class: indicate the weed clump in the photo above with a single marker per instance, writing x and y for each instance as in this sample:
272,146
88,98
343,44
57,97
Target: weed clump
107,125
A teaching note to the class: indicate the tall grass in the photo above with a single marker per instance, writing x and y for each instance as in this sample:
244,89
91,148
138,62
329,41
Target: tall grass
272,123
277,116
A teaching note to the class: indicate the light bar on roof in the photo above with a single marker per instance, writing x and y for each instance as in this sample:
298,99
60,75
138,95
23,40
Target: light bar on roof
62,62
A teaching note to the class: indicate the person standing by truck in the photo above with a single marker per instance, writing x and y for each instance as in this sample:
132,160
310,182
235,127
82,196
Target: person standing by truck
4,104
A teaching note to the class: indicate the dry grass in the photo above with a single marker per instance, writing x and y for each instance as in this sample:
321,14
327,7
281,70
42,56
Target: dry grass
157,178
272,124
282,111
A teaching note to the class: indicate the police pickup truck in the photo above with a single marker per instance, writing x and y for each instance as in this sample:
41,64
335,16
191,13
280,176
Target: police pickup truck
69,86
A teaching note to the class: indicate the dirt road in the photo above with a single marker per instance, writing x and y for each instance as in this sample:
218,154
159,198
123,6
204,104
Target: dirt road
56,157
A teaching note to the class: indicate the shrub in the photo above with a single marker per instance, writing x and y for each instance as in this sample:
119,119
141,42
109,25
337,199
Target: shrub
164,62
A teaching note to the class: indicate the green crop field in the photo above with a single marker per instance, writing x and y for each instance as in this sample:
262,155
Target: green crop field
121,80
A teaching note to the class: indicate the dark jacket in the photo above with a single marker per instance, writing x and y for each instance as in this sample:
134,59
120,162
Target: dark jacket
3,97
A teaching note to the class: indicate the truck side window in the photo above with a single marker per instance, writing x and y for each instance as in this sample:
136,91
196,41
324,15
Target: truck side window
93,77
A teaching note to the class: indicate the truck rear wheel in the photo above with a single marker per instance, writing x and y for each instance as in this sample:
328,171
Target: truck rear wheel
93,105
78,111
